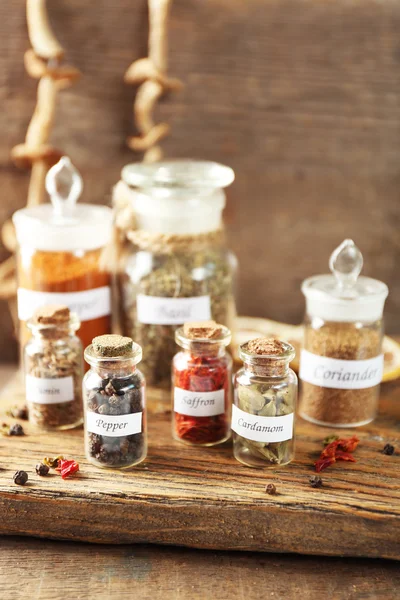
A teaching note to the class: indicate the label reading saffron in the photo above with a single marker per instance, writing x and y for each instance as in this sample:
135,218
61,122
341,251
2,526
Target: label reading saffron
114,426
88,304
199,404
154,310
40,390
341,374
262,429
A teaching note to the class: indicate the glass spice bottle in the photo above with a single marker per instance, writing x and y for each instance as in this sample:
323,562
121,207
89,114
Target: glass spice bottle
59,247
114,402
53,365
201,381
342,363
179,269
263,414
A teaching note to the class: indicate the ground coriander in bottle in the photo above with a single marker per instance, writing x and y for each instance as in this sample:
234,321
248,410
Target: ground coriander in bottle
114,402
342,362
53,369
201,384
265,396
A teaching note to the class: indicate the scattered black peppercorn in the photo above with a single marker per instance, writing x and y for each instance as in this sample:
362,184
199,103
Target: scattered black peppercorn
270,489
388,449
19,412
20,477
16,429
315,481
42,469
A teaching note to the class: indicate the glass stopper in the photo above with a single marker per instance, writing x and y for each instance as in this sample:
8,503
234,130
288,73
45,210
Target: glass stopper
346,263
64,186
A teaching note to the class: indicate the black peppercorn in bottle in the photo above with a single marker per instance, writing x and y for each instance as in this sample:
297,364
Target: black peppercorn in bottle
114,402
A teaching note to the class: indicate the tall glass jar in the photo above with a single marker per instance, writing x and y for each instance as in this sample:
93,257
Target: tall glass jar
201,380
114,402
179,268
59,247
53,364
265,396
342,362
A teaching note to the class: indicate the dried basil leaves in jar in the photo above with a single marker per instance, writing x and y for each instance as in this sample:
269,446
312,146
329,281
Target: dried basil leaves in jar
114,401
265,395
341,364
53,365
201,380
58,258
179,268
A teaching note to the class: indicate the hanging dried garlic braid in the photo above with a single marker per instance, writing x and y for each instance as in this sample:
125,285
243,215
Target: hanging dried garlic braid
42,62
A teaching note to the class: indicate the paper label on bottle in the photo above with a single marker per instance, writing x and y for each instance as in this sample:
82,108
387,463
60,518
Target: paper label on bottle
40,390
155,310
199,404
114,426
262,429
88,304
341,374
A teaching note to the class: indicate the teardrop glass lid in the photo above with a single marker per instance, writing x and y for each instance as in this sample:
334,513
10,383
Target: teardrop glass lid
346,263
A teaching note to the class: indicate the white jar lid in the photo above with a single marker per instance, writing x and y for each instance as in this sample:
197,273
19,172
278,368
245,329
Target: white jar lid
63,225
180,197
344,296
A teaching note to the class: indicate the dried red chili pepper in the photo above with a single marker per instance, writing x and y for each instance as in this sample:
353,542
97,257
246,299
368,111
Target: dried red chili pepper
339,449
67,468
204,371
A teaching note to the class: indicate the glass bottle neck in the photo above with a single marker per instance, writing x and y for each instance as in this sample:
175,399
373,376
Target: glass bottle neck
276,368
204,350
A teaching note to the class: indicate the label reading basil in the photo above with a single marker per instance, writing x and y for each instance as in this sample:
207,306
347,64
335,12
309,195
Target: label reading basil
88,304
199,404
341,374
40,390
114,426
262,429
154,310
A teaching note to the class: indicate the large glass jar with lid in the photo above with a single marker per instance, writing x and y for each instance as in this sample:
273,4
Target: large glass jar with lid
59,248
342,362
179,268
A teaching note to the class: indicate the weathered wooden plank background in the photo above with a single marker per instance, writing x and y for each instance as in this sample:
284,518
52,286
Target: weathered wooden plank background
300,97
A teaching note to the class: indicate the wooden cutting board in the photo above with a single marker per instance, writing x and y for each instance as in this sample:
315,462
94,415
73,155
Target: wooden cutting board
203,498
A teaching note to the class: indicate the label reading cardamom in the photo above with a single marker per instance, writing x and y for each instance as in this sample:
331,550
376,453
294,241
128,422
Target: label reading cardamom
262,429
154,310
199,404
40,390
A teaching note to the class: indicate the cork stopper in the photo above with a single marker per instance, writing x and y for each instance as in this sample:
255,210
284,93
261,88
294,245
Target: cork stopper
52,314
266,346
206,330
112,345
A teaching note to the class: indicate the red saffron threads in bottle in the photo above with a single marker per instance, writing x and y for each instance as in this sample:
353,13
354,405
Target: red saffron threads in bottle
202,374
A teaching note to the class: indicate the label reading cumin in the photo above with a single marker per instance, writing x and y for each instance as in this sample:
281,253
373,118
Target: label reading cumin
262,429
340,374
199,404
41,390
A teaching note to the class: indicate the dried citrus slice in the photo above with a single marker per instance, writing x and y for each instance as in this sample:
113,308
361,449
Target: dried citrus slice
249,328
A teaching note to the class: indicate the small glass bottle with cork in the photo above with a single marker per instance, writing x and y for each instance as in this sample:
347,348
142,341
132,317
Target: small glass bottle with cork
342,362
265,396
201,384
53,365
114,403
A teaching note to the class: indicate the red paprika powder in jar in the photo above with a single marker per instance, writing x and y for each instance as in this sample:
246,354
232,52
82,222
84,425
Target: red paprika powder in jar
201,384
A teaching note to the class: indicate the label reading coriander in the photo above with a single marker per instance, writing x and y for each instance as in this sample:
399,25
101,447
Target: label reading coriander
262,429
114,426
341,374
154,310
88,304
49,391
199,404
